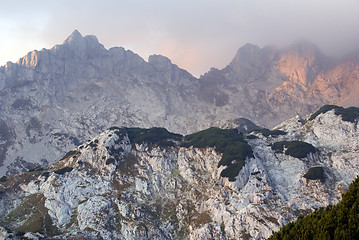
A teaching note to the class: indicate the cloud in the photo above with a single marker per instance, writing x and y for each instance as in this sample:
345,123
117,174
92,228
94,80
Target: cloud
195,35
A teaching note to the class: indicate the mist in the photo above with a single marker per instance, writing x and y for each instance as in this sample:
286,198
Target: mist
195,35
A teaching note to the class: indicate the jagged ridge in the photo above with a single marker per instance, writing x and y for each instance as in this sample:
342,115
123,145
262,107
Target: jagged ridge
151,192
53,99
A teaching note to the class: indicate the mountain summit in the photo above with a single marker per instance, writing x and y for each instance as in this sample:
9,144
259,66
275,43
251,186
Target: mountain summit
53,99
74,37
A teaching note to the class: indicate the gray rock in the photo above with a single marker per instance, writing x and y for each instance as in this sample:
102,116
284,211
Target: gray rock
78,89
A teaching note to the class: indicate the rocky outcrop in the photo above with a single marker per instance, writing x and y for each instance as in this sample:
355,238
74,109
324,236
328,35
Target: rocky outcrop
113,187
273,85
53,99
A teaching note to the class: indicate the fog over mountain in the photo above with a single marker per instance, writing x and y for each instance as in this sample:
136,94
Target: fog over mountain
194,35
54,99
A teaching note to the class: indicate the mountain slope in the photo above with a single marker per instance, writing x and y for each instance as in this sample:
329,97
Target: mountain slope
54,99
276,84
149,184
338,222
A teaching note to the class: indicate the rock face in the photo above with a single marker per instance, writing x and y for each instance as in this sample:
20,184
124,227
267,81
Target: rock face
52,100
274,85
114,188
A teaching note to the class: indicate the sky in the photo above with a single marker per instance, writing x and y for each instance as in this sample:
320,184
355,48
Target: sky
196,35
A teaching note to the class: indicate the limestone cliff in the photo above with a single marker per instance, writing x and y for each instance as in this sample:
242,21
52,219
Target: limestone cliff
54,99
121,186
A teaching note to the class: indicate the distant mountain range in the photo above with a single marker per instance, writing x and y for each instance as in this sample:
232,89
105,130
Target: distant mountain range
54,99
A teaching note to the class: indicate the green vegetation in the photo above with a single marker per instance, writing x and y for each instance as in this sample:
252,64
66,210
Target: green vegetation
273,133
349,114
63,170
32,216
115,152
153,136
110,161
251,137
92,144
39,169
114,128
68,154
227,141
212,137
334,222
315,173
323,110
232,170
296,149
46,175
127,167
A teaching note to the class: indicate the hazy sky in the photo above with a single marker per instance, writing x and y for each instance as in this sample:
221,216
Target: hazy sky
195,35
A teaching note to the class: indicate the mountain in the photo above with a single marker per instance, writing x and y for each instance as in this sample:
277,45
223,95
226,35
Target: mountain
268,85
134,183
54,99
338,222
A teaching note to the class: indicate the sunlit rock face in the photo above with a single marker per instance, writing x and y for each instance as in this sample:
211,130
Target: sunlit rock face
53,99
269,85
111,187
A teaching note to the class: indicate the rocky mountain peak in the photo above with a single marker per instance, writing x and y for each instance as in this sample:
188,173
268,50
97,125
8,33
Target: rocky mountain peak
74,37
160,62
251,61
30,59
82,46
88,87
304,47
305,52
248,53
301,62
